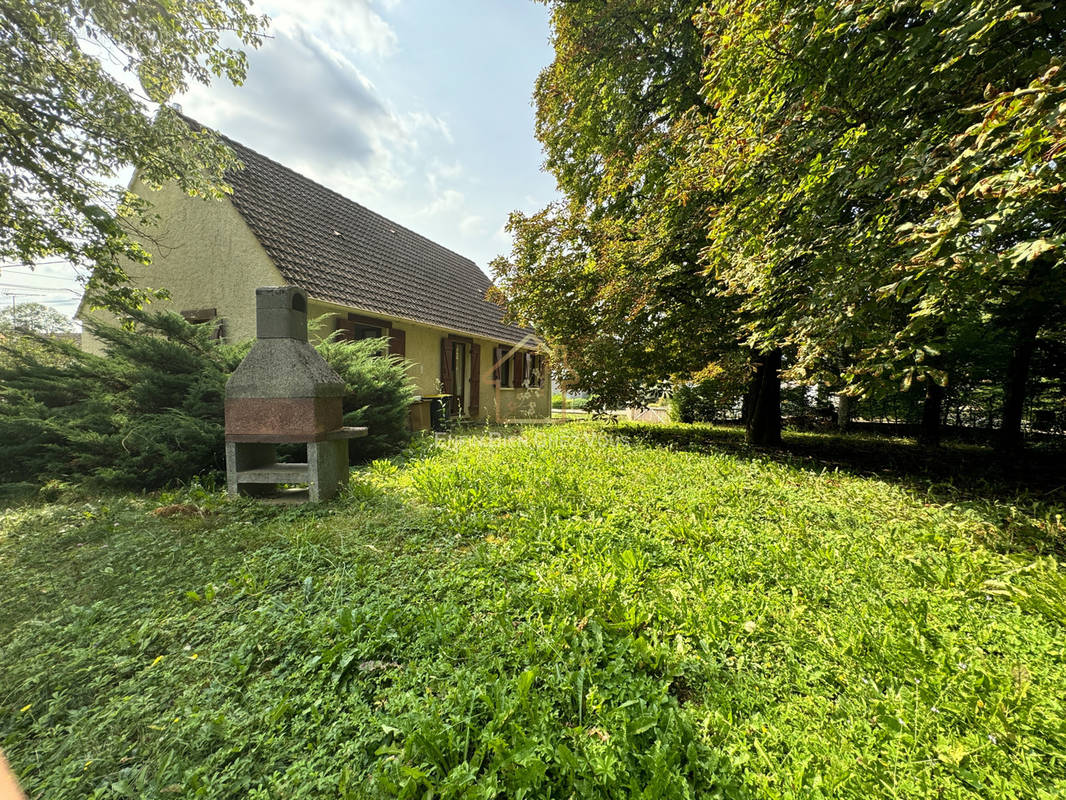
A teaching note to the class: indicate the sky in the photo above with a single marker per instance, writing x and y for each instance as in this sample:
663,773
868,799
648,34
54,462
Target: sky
418,109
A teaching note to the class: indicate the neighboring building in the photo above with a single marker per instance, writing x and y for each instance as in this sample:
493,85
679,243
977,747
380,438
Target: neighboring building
370,276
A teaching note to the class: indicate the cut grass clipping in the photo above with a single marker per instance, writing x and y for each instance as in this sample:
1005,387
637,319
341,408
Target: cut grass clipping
561,613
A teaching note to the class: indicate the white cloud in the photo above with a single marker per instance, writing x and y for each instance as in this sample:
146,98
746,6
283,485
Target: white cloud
308,105
472,225
438,170
421,121
344,23
448,201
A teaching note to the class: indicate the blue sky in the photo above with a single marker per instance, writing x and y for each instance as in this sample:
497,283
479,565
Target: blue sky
419,110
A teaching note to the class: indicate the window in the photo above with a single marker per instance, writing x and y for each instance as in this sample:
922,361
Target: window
502,367
527,370
355,328
204,316
366,332
535,364
518,369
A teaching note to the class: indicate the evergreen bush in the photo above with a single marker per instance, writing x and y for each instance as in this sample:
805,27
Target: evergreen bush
147,414
377,394
150,412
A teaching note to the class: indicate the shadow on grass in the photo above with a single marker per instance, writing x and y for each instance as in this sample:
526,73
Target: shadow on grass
965,474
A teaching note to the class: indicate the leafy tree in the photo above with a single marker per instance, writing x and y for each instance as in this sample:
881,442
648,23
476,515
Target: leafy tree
886,177
34,318
1000,225
612,276
851,191
83,93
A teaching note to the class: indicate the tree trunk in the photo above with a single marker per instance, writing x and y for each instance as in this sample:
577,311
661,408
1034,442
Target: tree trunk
1024,315
929,434
843,411
1014,389
764,424
747,404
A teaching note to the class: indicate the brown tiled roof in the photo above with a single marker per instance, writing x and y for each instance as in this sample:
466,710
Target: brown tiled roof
344,253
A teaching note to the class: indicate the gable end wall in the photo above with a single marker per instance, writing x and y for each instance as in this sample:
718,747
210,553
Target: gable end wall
205,254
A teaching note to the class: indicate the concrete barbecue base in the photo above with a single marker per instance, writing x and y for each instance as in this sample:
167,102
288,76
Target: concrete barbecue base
252,467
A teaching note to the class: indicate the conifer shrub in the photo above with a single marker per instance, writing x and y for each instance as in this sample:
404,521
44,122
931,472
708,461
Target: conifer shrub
146,414
149,413
377,394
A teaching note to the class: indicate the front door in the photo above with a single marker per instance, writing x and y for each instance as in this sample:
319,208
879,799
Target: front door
460,376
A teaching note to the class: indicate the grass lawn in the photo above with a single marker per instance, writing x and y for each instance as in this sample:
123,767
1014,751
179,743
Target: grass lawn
572,611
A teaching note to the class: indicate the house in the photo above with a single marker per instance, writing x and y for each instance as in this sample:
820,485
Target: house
366,275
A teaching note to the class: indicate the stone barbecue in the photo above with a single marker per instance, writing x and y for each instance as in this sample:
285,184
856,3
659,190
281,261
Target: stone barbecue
284,392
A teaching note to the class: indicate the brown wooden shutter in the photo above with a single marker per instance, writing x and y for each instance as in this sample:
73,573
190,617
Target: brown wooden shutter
475,380
347,330
446,380
518,369
397,342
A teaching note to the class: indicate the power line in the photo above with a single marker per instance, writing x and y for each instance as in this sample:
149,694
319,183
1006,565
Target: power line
13,295
34,270
35,263
41,277
31,286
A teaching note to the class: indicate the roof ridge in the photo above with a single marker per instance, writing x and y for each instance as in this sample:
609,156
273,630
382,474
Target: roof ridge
345,198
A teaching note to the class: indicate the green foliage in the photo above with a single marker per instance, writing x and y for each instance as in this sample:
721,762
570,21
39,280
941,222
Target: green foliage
70,125
377,394
571,402
147,414
564,612
150,413
708,400
886,179
611,276
33,318
856,185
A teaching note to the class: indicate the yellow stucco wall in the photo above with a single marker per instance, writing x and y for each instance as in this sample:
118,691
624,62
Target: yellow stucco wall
206,256
423,347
